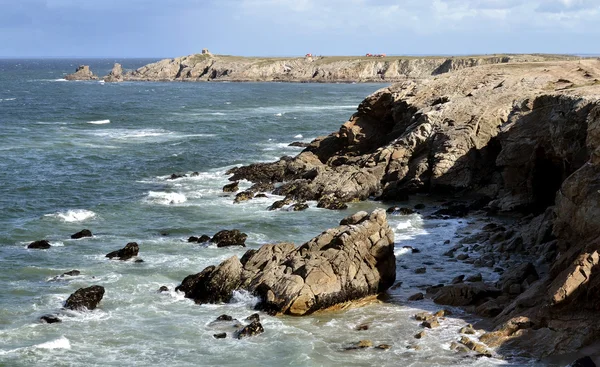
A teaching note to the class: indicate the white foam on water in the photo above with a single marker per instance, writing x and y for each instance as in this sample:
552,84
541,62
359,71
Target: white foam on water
60,80
73,215
299,136
165,198
7,99
245,298
99,122
279,114
60,343
57,244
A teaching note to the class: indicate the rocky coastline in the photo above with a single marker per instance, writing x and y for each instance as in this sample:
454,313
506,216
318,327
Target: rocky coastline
519,139
313,69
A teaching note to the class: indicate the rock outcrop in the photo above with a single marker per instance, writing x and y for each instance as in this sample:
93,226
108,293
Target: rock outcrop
41,244
85,298
350,262
115,75
521,138
130,250
207,67
83,72
81,234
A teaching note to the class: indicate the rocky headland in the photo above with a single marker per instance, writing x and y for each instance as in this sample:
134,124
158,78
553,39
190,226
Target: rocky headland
318,69
518,138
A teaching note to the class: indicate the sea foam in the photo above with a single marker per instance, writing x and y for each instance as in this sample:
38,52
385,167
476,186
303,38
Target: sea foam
165,198
60,343
74,215
99,122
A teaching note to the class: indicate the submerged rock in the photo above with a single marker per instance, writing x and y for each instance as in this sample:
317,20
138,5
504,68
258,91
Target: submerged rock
85,298
130,250
81,234
50,319
342,264
42,244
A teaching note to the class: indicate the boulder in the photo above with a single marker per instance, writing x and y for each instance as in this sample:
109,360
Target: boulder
464,294
232,187
343,264
227,238
243,196
82,72
280,204
42,244
163,288
224,318
416,297
253,317
85,298
130,250
115,75
431,323
50,319
81,234
71,273
253,329
332,203
220,336
299,207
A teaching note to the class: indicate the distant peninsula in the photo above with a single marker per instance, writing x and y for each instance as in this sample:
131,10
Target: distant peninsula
206,67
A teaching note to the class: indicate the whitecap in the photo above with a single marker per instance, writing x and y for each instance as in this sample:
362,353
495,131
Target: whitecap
73,215
279,114
165,198
99,122
299,136
7,99
60,343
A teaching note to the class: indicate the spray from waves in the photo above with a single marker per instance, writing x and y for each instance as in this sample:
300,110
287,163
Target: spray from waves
60,343
99,122
73,215
165,198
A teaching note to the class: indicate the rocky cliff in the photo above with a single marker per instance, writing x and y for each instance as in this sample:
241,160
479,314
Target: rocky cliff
207,67
515,137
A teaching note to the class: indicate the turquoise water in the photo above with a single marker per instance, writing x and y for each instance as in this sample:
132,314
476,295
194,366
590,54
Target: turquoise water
90,155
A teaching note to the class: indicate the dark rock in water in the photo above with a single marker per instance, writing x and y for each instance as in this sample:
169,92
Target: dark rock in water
280,204
71,273
400,210
464,294
253,329
362,327
85,298
431,323
312,277
220,336
299,144
383,346
360,345
81,234
261,195
195,174
232,187
227,238
224,318
458,279
475,278
175,176
416,297
43,244
204,238
163,289
299,207
419,206
193,239
332,203
421,271
50,319
462,257
583,362
253,317
243,196
139,261
412,250
130,250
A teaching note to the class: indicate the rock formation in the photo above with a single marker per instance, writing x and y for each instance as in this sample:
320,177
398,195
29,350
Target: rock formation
42,244
83,72
207,67
115,75
523,138
81,234
350,262
130,250
85,298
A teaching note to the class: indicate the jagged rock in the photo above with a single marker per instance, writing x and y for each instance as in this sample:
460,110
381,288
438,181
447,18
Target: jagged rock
115,75
253,317
232,187
83,72
81,234
464,294
243,196
474,346
85,298
42,244
299,144
330,202
253,329
262,187
280,204
50,319
227,238
130,250
342,264
299,207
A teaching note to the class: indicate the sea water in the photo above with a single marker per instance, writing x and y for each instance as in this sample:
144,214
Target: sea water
78,155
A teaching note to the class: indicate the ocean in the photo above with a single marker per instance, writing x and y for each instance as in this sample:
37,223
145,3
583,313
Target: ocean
78,155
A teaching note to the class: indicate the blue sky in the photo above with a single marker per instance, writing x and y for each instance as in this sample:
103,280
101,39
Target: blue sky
168,28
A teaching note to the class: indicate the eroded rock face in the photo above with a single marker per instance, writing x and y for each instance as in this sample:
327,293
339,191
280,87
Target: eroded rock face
352,261
115,75
85,298
83,72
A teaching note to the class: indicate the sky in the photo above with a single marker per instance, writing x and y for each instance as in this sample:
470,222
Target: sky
170,28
